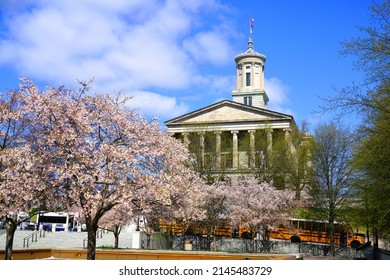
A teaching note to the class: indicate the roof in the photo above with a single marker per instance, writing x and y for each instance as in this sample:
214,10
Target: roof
229,115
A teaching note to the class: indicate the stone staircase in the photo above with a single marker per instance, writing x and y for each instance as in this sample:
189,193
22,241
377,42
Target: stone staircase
65,240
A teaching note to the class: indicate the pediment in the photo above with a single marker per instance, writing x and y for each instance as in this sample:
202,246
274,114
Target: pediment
227,112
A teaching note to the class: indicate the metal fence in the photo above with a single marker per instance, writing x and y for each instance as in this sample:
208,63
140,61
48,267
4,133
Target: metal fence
233,245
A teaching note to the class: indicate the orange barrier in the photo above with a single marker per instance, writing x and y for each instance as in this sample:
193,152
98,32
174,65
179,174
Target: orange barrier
81,254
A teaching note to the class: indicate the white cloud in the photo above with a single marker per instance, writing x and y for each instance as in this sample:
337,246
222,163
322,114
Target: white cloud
209,47
156,105
142,46
124,45
277,92
217,85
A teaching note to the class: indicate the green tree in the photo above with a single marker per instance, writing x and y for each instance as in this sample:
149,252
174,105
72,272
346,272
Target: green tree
370,99
288,163
372,161
372,52
333,176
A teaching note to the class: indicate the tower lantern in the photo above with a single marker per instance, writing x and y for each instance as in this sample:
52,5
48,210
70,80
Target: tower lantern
250,76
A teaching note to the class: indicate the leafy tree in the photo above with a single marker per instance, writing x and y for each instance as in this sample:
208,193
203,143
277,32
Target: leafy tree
115,219
333,176
258,207
102,155
287,165
216,205
299,171
372,51
22,184
370,99
183,207
372,161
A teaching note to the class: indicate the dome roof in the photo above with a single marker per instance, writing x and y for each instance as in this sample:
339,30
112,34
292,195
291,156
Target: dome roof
250,53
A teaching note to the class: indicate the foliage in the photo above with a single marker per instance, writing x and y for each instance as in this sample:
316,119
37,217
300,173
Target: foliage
370,99
216,205
288,163
22,177
372,161
258,206
333,176
372,51
87,151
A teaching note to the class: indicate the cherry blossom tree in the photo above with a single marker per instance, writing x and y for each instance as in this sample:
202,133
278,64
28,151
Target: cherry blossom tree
258,206
115,219
183,207
216,205
103,155
76,149
21,182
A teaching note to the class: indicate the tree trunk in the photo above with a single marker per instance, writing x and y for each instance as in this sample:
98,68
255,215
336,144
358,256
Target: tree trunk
10,226
331,233
266,240
376,244
148,238
252,236
91,249
117,231
214,238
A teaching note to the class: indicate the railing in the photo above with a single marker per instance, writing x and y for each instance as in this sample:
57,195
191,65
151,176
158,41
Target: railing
99,234
33,237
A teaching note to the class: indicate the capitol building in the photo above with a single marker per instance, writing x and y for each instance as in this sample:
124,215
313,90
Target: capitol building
236,136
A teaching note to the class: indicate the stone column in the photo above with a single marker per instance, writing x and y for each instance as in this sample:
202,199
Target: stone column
269,140
251,148
218,150
186,140
235,149
201,148
287,137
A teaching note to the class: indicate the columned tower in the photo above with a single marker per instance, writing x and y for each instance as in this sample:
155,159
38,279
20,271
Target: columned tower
250,77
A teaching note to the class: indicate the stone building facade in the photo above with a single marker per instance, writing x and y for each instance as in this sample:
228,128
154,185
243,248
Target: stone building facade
235,136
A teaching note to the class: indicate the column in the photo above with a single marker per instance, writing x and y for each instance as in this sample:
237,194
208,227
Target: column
235,149
186,140
218,150
201,148
287,137
269,140
251,148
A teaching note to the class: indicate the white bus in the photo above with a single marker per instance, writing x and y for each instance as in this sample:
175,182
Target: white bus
56,221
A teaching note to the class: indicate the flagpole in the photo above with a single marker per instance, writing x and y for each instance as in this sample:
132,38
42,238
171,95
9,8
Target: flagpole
251,20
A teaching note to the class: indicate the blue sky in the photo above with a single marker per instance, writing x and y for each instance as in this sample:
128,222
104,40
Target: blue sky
177,56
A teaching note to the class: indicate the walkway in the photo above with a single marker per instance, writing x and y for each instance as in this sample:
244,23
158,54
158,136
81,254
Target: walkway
65,240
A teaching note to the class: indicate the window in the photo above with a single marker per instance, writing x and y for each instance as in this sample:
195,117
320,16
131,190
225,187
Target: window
248,100
248,79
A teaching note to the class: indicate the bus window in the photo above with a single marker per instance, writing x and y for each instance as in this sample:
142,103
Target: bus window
321,227
337,228
327,227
